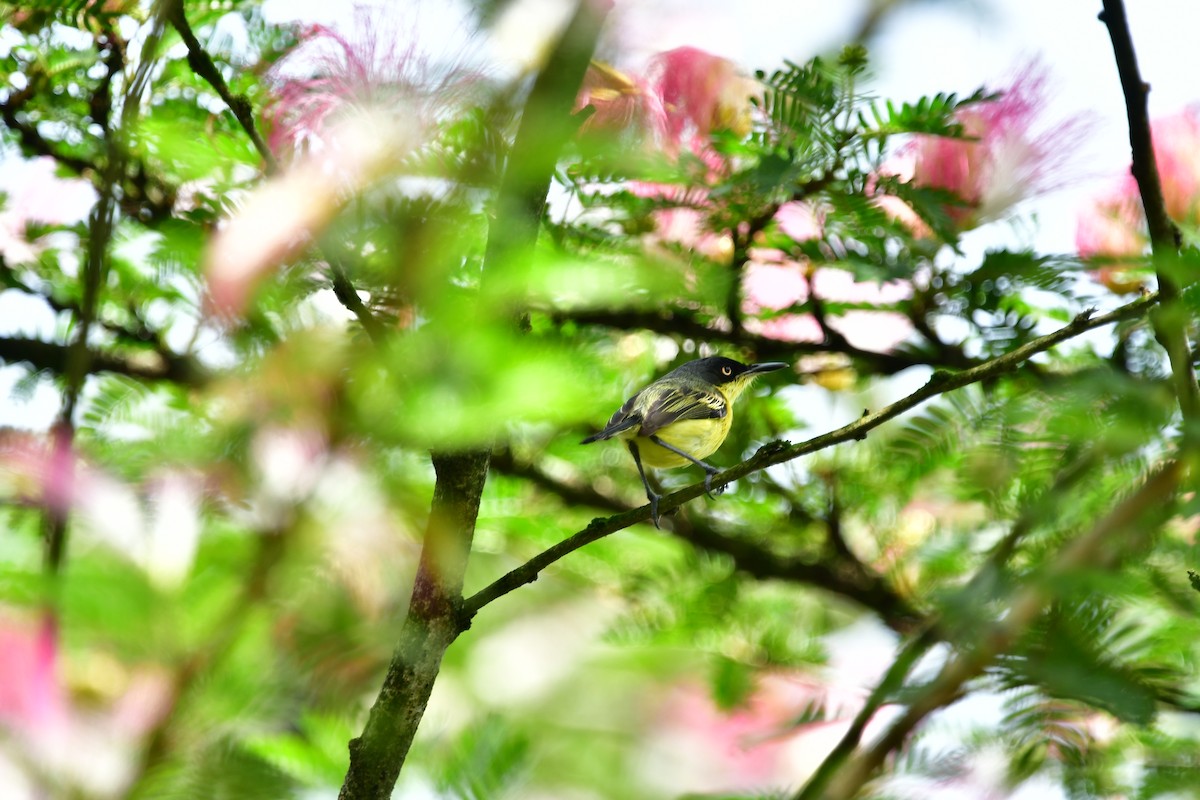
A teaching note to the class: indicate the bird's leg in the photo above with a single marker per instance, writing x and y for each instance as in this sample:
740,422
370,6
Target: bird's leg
651,495
709,469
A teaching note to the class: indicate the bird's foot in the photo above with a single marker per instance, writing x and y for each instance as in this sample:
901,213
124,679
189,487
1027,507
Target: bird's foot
709,472
653,498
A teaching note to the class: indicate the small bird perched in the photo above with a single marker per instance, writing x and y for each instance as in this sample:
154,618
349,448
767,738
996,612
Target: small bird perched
682,417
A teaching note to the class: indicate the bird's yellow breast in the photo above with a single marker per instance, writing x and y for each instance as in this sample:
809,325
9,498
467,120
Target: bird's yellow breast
698,438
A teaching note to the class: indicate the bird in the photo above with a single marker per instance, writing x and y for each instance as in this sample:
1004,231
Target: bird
682,418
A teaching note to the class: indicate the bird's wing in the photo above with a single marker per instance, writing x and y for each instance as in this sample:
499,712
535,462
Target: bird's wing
668,405
623,420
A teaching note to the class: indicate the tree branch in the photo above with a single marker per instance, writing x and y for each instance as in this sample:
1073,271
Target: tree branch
94,271
54,357
431,625
847,579
1169,324
434,616
203,65
678,322
780,452
935,628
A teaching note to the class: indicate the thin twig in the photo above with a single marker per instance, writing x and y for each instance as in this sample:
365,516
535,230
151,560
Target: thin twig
204,66
780,452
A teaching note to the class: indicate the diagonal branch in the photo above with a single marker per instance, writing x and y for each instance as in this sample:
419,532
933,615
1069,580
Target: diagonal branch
845,577
935,630
1130,523
203,65
780,452
1169,324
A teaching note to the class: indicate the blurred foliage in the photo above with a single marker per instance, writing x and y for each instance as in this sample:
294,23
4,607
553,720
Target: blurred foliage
302,444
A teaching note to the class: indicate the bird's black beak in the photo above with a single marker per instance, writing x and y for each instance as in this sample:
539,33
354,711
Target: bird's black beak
766,366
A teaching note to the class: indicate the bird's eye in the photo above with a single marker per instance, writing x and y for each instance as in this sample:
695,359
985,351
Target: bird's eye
726,371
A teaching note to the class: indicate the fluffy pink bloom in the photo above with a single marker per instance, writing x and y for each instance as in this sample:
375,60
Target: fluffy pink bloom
620,103
701,93
1113,226
40,470
1010,156
1177,154
279,219
346,73
685,96
31,698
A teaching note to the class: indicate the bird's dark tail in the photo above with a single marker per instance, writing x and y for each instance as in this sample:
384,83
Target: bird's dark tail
613,429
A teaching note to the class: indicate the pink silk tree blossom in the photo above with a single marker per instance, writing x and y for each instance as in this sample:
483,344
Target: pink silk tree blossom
31,696
1011,153
374,67
1112,228
701,93
685,95
620,104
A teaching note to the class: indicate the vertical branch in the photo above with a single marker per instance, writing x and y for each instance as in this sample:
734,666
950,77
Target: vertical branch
431,626
1164,236
435,616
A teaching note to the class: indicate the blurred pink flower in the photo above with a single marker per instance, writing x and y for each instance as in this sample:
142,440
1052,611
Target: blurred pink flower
280,217
346,73
686,95
701,93
1112,229
1177,154
39,470
1012,155
620,103
1113,226
757,744
31,697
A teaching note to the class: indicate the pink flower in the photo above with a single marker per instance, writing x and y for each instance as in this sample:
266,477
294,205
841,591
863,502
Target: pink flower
1177,154
346,74
1009,157
1113,227
685,96
31,698
620,104
701,93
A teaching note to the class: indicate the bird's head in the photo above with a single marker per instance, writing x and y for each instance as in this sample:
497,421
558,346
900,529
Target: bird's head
732,377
